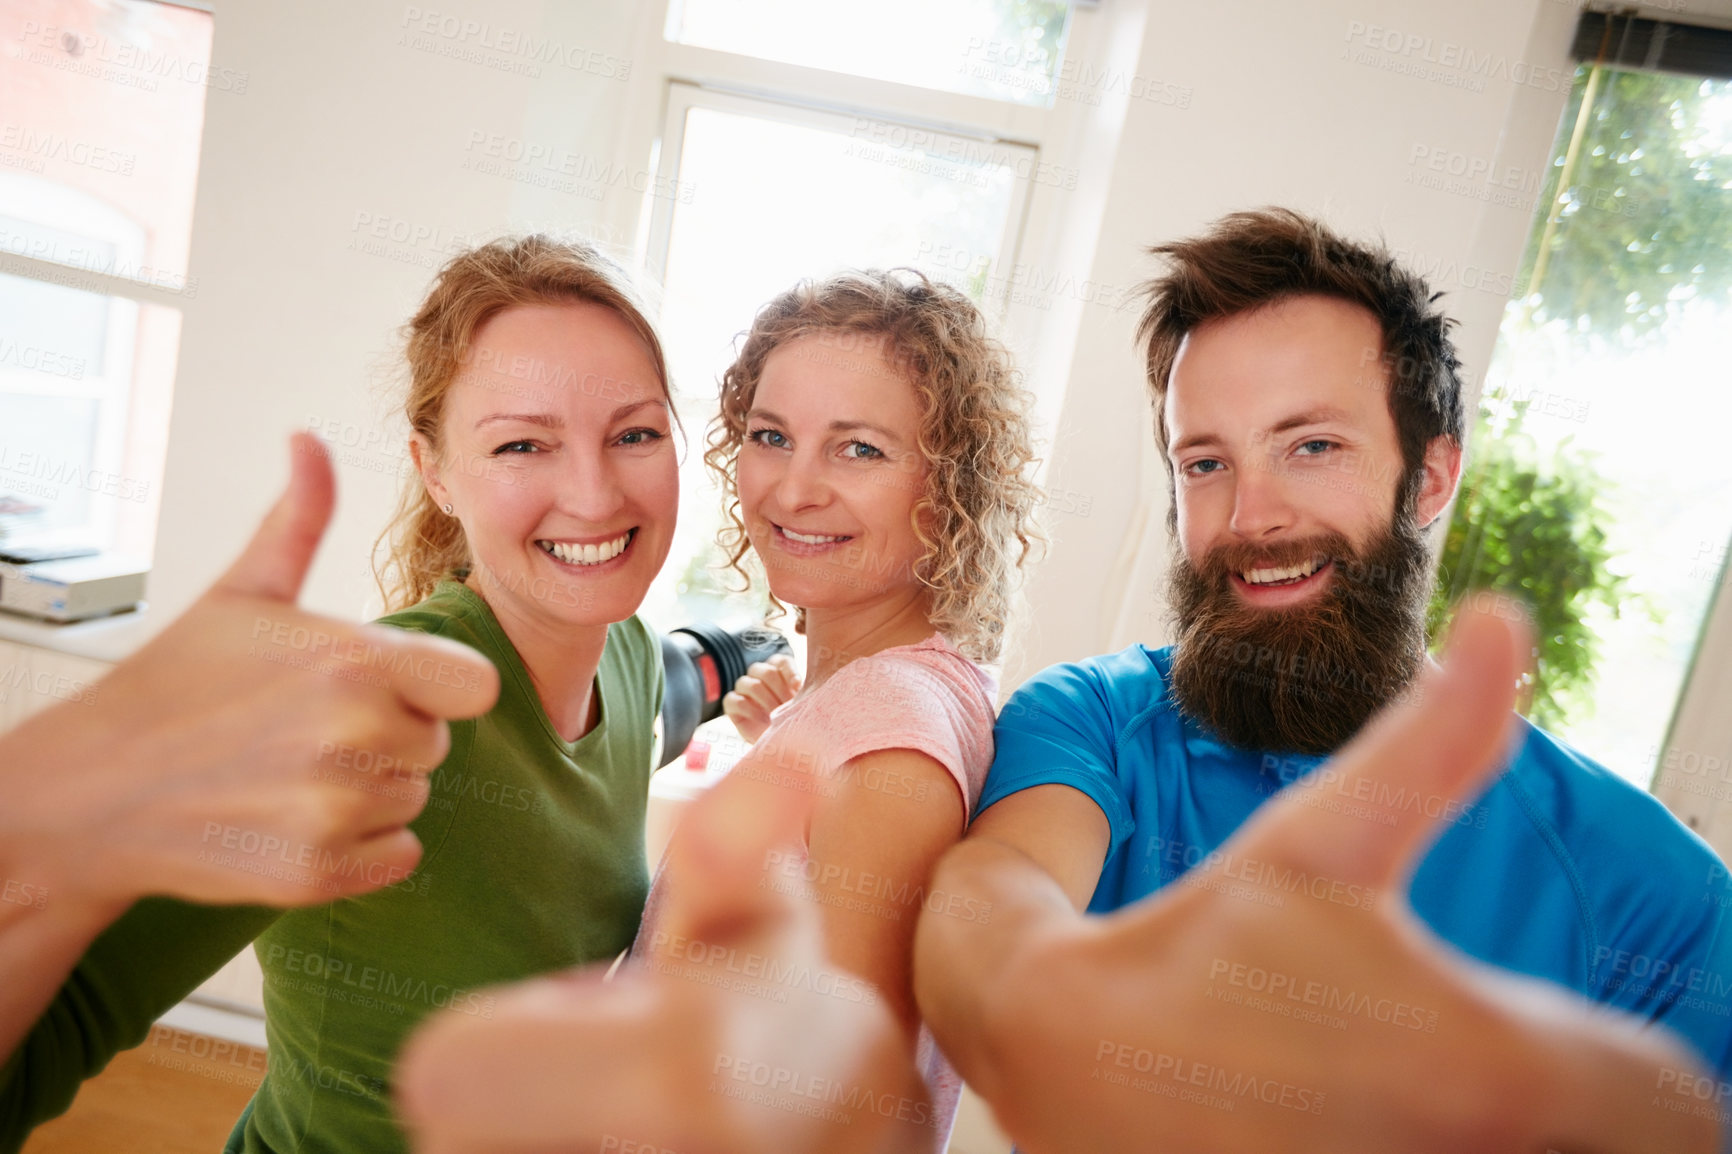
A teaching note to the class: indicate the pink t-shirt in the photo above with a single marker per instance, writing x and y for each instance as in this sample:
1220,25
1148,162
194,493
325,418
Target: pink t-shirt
926,697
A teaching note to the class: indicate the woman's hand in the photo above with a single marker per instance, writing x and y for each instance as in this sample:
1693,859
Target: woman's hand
735,1036
766,685
251,752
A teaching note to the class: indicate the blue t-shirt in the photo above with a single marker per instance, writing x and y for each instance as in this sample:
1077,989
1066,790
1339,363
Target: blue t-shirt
1560,870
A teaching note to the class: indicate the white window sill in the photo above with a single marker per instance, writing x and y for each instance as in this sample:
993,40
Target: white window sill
113,638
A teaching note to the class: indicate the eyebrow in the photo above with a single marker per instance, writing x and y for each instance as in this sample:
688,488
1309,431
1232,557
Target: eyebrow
551,421
1318,416
834,426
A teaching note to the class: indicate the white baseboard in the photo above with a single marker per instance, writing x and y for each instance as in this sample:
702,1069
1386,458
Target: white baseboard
217,1020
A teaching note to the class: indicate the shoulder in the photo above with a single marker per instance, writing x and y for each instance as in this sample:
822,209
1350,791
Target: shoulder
452,610
1625,847
632,644
632,676
913,677
1577,796
1113,691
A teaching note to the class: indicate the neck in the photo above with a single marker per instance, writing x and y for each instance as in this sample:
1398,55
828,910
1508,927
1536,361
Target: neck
836,637
561,660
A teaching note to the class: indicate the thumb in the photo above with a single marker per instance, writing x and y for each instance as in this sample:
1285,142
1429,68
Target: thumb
718,862
276,560
1368,813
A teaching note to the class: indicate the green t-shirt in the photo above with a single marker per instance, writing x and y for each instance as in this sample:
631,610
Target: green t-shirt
533,860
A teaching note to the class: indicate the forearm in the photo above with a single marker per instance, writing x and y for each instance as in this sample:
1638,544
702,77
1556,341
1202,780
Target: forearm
998,905
149,959
39,947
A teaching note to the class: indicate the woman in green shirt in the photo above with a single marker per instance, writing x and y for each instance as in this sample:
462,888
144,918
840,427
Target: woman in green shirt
540,418
545,503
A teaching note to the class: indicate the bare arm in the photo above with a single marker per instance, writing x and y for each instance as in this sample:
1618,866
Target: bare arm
874,843
1027,867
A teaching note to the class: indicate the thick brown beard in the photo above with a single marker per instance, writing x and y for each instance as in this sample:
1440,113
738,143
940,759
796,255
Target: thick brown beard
1305,679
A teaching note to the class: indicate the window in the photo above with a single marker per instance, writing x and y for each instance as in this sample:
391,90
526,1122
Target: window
1609,375
1003,49
103,110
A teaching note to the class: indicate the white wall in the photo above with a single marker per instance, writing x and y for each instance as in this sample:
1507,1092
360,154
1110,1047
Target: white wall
342,124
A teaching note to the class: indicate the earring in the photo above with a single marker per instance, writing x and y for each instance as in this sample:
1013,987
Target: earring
446,509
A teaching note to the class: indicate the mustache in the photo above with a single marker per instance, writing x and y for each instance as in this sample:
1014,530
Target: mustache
1242,556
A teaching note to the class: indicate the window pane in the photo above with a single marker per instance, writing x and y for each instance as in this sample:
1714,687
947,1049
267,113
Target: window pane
1613,368
85,382
51,329
1003,49
772,202
45,453
101,110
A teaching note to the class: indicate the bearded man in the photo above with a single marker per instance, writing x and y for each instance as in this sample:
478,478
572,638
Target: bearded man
1308,405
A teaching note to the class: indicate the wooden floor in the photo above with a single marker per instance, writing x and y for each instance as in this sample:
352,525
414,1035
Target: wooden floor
179,1093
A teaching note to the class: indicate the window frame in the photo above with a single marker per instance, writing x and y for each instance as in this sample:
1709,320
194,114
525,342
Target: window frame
683,98
78,212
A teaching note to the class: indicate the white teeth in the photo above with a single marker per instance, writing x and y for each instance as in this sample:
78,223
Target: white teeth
587,554
804,539
1271,576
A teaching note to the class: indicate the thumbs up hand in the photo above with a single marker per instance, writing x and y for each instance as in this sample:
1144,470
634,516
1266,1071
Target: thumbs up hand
733,1034
1193,1015
251,752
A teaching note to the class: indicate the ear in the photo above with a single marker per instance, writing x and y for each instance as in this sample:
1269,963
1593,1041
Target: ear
1441,471
426,464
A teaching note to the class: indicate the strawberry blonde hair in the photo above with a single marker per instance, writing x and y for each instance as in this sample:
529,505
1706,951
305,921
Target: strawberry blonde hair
423,543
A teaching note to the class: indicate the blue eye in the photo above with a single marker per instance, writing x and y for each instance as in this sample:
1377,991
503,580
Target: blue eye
866,453
768,437
1316,448
514,447
1204,467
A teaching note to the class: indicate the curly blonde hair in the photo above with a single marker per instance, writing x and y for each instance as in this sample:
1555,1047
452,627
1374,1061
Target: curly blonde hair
975,518
424,544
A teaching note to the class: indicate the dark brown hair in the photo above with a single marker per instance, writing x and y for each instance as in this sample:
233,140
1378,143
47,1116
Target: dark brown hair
1249,260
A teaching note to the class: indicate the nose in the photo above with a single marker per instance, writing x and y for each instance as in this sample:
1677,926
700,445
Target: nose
803,483
1262,505
589,486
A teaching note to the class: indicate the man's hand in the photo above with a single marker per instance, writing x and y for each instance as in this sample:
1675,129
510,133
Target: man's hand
1244,1010
736,1036
755,696
250,752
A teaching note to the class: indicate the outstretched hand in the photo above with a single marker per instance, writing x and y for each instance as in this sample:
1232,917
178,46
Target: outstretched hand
734,1036
251,752
1283,995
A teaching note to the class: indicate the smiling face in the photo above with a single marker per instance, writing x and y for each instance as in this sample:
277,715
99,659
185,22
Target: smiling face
1280,435
830,474
1299,583
558,460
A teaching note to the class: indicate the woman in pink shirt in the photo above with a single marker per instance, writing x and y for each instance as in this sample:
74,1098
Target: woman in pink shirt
873,448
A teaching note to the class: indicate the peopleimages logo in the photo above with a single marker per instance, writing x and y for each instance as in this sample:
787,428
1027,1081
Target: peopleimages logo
1445,61
511,49
138,65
